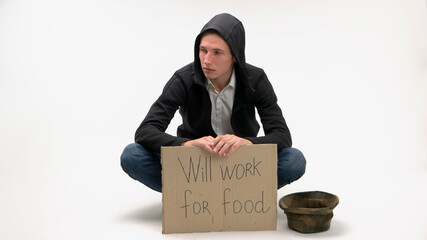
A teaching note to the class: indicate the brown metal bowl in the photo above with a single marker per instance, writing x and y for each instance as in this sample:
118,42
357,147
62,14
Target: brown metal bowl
309,212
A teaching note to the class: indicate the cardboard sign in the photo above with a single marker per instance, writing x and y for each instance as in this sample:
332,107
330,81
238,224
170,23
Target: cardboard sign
203,192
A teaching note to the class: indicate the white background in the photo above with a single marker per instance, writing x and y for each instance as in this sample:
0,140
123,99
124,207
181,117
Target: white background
77,78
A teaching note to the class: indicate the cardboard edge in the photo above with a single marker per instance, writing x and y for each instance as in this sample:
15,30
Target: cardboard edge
275,155
163,197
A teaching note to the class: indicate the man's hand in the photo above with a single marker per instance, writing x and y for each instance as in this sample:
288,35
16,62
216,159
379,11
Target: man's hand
204,142
225,145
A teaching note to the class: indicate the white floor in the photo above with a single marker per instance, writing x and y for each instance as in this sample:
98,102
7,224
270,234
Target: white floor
77,77
93,199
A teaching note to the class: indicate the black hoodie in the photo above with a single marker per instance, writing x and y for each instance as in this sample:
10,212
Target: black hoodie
186,91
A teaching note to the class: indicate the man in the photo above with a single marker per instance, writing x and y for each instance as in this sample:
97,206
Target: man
216,96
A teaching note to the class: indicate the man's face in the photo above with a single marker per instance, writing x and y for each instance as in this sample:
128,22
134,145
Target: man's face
216,58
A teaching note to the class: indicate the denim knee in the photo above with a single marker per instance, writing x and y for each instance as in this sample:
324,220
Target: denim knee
298,160
291,166
126,158
134,155
142,165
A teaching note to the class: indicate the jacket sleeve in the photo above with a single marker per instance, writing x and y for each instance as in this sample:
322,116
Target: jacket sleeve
273,122
151,132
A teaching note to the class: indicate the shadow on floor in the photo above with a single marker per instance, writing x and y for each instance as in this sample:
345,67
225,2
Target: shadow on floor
338,230
152,212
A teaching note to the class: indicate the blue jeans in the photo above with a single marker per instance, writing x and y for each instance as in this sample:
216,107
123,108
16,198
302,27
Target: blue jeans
145,167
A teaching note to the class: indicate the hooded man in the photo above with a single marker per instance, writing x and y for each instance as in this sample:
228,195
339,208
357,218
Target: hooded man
216,96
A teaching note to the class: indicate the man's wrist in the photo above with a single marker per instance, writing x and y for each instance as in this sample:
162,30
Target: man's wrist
249,142
185,143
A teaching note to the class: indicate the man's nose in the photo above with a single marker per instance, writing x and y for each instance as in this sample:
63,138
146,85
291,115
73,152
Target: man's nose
207,58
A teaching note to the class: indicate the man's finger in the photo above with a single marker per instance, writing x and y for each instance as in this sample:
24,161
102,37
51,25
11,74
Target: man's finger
224,148
208,148
216,140
234,147
219,141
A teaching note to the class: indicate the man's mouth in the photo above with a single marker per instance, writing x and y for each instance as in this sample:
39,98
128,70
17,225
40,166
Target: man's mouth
208,69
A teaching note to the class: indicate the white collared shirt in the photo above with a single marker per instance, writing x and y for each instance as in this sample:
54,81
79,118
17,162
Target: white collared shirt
222,105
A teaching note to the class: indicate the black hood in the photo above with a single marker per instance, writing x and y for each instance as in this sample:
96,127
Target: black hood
233,32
